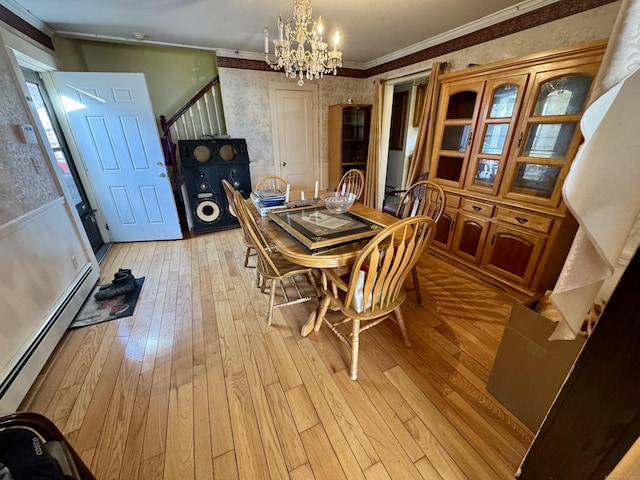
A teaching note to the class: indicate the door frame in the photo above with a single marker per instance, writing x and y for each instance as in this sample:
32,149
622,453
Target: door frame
315,121
85,209
385,134
24,56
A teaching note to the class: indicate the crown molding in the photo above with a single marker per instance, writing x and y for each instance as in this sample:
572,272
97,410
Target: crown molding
134,41
28,17
499,23
495,18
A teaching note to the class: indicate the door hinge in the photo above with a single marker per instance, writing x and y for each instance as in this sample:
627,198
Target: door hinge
106,225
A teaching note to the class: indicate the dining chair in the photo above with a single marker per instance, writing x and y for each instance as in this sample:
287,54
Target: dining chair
372,291
353,181
272,182
422,198
272,265
392,198
233,210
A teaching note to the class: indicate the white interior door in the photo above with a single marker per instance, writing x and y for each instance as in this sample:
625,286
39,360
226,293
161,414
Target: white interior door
114,128
295,134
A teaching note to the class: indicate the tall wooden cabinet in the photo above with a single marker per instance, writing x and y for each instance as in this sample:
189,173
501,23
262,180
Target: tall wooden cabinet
505,137
349,126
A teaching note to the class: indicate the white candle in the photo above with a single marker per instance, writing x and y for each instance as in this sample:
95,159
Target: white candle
286,195
315,192
344,188
301,195
280,28
266,40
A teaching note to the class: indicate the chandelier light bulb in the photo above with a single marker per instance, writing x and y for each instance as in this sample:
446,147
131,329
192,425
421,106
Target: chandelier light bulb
266,40
300,50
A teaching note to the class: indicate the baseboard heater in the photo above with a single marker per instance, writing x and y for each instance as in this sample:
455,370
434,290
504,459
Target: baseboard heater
27,367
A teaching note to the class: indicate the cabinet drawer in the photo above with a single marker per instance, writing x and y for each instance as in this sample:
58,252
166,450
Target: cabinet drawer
524,219
479,208
453,201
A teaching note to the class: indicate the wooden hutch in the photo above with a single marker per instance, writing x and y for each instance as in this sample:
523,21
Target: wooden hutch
349,126
505,137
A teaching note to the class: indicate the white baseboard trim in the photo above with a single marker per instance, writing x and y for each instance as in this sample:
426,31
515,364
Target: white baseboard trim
27,367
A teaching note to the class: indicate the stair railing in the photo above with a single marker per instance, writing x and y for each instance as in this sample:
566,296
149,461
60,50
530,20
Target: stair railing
200,116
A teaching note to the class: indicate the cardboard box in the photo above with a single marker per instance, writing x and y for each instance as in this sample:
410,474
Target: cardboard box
529,369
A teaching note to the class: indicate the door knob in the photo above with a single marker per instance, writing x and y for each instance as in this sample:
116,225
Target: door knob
162,175
284,164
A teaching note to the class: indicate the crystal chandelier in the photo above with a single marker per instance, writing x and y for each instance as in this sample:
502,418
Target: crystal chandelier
299,49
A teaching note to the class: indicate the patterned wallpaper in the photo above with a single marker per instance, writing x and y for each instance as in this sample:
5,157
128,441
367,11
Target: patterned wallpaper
594,24
26,181
245,93
245,96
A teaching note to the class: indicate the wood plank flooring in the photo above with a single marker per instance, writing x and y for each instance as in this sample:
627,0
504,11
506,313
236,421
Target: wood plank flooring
195,385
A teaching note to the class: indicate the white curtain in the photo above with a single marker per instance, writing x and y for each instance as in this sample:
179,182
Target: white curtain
602,189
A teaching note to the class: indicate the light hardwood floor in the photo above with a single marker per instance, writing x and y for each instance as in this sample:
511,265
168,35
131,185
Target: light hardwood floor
195,385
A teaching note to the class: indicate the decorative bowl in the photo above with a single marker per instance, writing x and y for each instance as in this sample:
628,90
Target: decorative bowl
337,202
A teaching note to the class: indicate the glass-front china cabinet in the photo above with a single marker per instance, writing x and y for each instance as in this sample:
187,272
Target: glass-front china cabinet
505,137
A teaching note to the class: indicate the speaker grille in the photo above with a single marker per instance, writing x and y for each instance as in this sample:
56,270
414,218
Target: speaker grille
213,152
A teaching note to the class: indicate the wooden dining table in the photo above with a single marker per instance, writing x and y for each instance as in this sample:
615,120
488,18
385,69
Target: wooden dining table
295,252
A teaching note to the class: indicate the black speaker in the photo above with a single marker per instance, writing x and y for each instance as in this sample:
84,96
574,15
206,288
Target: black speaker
214,151
204,164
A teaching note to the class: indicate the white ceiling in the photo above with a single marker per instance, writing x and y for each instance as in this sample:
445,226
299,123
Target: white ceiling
372,31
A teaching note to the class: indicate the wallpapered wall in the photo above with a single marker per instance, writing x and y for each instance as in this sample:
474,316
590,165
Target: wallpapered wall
245,93
245,96
26,181
594,24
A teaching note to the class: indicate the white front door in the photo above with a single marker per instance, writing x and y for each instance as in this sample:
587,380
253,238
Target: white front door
114,128
295,133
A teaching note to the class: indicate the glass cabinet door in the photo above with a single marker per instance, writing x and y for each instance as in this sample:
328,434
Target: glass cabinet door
495,126
459,106
549,135
355,136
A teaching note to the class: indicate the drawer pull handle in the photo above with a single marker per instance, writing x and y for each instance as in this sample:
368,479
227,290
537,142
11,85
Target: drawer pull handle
522,219
476,208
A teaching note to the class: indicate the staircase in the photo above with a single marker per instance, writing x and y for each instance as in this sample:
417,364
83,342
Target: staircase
200,117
